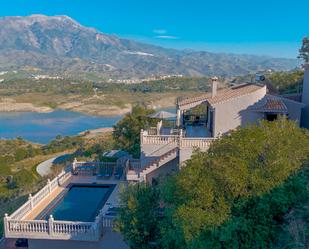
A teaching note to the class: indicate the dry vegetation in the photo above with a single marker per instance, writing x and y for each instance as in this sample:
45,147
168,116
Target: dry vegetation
109,99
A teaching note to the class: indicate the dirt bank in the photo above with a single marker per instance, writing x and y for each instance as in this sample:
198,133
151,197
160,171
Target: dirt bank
9,105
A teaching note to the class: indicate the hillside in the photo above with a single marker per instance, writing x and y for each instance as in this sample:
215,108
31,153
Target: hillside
60,45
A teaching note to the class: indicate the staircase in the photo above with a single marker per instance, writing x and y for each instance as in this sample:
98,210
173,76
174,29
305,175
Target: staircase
140,176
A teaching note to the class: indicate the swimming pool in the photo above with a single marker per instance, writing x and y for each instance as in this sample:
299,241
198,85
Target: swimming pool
82,202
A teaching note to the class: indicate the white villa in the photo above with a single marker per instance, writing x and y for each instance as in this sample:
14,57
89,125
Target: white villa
77,208
163,149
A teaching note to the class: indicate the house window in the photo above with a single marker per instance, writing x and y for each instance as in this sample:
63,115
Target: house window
271,116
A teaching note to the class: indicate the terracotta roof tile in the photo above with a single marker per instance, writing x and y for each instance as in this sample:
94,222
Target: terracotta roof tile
272,104
223,95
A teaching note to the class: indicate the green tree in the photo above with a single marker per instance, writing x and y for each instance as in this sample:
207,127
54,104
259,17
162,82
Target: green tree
22,179
256,222
138,220
127,130
232,196
304,50
286,82
21,153
249,162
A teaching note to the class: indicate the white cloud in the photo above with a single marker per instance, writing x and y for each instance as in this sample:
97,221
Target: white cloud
170,37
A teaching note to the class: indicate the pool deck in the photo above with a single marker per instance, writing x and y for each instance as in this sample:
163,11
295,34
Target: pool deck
42,209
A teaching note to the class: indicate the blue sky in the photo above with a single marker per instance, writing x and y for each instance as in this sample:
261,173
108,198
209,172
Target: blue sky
266,27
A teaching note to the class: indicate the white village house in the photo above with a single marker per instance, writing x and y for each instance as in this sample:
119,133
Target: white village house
46,219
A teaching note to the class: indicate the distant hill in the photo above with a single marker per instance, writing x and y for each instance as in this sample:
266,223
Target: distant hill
59,44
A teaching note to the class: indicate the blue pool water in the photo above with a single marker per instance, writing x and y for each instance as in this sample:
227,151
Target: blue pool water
44,127
82,203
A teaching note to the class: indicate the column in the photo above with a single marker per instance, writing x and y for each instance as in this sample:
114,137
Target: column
159,126
31,201
50,225
6,224
178,119
74,165
142,136
49,185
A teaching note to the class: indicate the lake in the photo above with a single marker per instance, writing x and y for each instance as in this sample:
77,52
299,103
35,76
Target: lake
44,127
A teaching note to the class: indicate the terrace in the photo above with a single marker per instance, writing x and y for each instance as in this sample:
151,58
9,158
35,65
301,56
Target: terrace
189,138
76,205
191,123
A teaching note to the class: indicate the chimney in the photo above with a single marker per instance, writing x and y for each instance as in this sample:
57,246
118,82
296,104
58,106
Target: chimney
214,86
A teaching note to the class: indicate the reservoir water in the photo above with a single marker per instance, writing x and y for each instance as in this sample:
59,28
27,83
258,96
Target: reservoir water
44,127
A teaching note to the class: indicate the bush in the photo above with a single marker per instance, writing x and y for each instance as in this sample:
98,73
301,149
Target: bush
22,179
127,131
232,196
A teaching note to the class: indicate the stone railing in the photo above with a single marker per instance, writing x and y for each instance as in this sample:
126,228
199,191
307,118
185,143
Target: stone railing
203,143
156,162
22,227
25,209
140,174
74,230
181,141
51,229
159,139
56,229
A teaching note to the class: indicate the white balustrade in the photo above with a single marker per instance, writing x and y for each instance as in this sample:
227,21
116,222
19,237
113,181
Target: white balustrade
27,226
70,227
196,142
184,142
159,139
33,201
51,228
108,222
22,211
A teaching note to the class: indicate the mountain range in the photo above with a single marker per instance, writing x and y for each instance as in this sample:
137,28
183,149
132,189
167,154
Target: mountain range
61,45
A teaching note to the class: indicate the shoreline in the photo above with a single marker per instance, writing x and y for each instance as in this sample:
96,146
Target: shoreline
30,108
23,107
104,113
101,106
86,133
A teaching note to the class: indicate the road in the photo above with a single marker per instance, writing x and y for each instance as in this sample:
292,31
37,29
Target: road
44,168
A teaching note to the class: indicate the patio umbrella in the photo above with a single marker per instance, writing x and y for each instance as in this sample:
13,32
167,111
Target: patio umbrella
162,115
